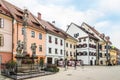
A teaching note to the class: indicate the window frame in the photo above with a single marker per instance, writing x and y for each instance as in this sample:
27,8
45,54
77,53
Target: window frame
56,51
40,36
33,34
50,50
40,48
1,23
1,40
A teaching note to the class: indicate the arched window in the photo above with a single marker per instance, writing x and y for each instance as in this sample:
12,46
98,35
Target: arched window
1,40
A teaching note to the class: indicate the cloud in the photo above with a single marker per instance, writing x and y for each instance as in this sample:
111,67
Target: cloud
64,14
109,5
110,29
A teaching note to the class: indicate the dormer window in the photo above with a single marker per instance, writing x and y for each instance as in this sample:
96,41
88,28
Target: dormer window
76,35
18,16
37,24
20,11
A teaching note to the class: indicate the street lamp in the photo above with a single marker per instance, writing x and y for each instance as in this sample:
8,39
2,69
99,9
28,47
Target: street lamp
25,18
76,59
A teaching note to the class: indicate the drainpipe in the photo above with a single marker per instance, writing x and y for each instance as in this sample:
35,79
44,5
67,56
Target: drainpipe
97,55
17,31
88,51
12,37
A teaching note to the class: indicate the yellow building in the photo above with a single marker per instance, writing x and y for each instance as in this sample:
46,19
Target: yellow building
113,55
70,48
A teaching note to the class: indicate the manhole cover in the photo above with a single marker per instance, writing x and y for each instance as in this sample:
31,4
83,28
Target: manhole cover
69,74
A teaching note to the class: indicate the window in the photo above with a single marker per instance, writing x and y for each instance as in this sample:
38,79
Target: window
22,31
84,39
61,42
74,46
1,23
40,36
100,54
56,51
61,51
66,53
50,50
70,45
74,54
50,39
33,34
70,53
40,47
56,41
66,44
85,53
79,40
1,40
76,35
100,46
90,40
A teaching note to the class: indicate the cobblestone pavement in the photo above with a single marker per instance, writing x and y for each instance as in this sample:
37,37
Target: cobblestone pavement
4,78
86,73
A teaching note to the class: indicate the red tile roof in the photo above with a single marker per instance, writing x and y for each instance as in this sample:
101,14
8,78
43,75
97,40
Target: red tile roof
17,14
52,29
89,34
94,30
4,10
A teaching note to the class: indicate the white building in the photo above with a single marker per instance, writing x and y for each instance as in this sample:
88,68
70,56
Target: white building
55,40
101,44
86,46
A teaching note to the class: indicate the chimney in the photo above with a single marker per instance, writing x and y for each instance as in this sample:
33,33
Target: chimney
39,16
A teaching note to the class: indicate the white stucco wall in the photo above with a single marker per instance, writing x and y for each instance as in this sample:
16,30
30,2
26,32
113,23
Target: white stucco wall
54,46
73,29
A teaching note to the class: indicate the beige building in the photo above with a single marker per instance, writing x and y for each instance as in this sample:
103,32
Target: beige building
70,48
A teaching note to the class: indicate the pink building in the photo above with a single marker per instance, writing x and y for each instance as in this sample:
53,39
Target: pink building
5,34
35,32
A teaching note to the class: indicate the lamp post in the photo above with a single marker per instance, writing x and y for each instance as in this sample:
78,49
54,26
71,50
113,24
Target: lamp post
76,59
25,18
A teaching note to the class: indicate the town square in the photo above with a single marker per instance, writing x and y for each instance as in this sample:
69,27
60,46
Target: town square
48,40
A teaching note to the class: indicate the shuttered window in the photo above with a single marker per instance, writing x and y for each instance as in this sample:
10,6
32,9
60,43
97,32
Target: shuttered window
1,40
1,23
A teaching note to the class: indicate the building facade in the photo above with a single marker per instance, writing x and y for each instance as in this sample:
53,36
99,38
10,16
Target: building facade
102,44
70,48
55,41
5,34
86,46
35,33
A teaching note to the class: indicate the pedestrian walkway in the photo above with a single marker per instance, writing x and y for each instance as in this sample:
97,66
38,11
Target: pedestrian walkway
86,73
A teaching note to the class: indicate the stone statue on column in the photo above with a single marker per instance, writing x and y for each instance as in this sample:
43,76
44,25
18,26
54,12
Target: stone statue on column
33,48
19,48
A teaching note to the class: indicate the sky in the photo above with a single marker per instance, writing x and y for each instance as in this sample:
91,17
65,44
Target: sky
103,15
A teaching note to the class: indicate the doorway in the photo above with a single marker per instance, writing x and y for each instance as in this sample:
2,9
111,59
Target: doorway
91,62
49,60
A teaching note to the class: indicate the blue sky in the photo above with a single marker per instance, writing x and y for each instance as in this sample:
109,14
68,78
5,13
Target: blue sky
103,14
